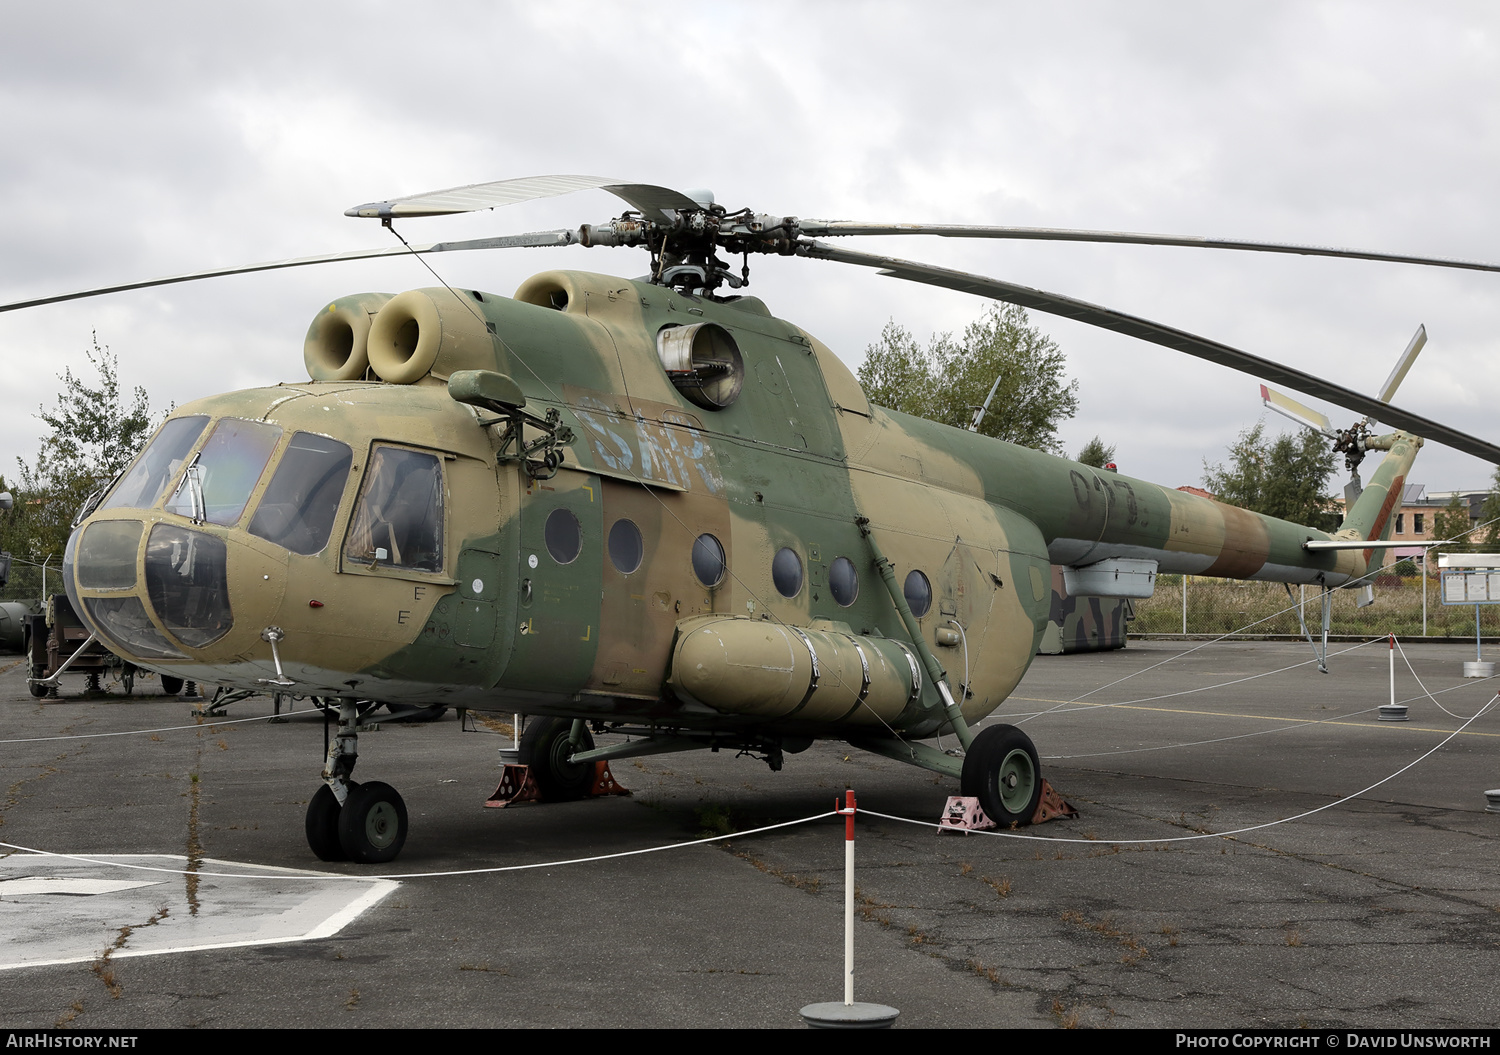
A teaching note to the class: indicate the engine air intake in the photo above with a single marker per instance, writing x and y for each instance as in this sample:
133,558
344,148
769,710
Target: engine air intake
703,362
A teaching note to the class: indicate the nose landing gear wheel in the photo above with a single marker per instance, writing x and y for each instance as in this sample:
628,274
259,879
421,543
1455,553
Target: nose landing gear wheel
323,825
372,824
1002,771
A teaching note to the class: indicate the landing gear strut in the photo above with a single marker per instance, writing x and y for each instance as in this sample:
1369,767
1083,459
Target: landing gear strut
347,821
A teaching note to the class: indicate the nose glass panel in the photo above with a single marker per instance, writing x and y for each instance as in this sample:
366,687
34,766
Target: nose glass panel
217,485
106,557
188,583
124,622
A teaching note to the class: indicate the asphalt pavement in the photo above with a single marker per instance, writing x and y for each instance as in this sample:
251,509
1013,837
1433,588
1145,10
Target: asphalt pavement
1174,900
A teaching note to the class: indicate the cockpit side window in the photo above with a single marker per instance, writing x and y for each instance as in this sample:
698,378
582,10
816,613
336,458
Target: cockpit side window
142,486
216,486
300,504
398,522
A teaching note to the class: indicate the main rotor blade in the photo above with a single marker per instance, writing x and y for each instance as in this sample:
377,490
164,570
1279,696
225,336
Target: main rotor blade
647,199
815,228
535,240
1166,336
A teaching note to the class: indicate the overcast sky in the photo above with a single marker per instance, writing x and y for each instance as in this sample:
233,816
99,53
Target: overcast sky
148,138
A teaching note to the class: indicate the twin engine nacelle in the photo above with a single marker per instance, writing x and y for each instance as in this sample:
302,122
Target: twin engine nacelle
399,338
403,338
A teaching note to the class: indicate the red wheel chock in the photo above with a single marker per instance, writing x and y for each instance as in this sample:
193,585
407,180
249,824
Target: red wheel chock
1051,805
516,786
605,782
963,814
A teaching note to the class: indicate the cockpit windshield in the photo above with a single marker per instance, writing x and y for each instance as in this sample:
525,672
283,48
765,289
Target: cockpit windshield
217,485
143,485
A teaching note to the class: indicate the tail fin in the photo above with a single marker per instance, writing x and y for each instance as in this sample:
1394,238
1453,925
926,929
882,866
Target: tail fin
1372,516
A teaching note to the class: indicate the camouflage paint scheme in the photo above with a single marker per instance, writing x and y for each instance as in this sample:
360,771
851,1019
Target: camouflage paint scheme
791,463
1083,624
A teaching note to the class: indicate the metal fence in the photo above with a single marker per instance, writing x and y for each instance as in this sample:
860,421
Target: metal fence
1408,606
26,577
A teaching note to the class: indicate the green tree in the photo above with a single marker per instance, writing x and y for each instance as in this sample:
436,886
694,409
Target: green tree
1451,522
1285,478
1489,516
1095,453
896,372
950,377
93,432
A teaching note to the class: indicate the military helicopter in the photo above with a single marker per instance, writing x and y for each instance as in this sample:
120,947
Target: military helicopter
650,507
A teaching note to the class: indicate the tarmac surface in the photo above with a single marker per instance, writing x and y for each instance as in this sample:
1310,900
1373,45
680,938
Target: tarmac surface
1382,911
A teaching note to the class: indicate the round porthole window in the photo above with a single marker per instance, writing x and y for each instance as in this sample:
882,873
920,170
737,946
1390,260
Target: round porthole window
918,593
625,547
843,580
786,572
563,536
708,560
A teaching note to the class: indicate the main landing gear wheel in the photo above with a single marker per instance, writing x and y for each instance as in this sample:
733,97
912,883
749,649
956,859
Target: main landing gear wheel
372,824
323,825
1002,771
545,748
171,686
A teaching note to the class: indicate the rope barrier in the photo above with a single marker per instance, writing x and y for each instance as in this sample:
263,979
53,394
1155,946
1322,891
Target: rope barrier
85,859
205,724
1211,835
1405,659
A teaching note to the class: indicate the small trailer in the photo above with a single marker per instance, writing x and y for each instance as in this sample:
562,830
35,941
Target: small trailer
56,642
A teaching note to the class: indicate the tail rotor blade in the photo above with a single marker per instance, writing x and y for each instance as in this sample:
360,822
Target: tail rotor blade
1298,412
1408,357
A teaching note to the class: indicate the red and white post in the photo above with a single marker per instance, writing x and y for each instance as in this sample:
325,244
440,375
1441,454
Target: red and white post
847,1014
1393,711
848,812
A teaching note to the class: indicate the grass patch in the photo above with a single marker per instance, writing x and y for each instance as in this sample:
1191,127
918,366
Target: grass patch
715,818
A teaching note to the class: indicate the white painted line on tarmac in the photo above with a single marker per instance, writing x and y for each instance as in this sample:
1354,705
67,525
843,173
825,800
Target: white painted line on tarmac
56,911
76,886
